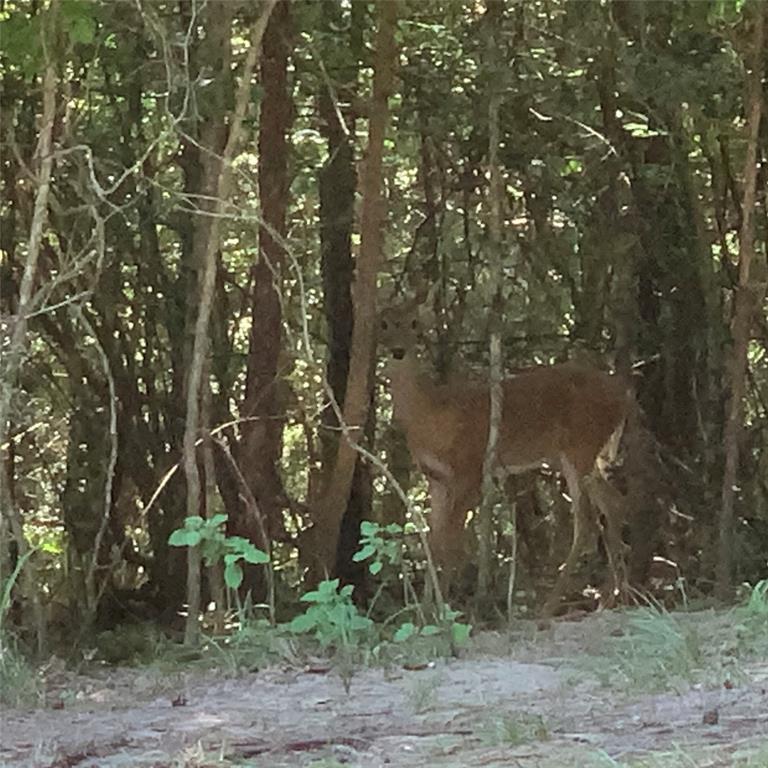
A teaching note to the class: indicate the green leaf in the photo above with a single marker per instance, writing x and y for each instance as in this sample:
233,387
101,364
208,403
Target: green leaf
429,630
302,623
404,632
20,36
460,633
394,529
51,547
314,596
448,614
233,575
79,21
347,590
83,30
368,529
211,551
328,587
193,522
217,520
339,614
178,538
360,622
375,568
184,538
255,556
237,543
364,553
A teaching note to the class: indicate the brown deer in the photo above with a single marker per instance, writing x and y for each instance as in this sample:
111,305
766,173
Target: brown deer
564,415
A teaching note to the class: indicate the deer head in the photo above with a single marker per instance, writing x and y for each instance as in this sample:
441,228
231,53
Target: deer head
400,329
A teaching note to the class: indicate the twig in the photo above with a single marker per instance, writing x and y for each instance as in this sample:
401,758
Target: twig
90,577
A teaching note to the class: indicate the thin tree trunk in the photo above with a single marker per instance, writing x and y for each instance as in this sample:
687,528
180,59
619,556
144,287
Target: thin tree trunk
494,11
207,286
12,359
744,309
356,401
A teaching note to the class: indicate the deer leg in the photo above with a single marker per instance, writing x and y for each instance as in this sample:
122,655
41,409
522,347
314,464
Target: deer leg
446,536
583,534
610,504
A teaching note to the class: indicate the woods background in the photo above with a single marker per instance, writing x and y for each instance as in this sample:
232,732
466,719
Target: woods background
187,188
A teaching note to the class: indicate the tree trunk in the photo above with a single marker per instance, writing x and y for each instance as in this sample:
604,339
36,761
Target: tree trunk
261,446
12,359
486,550
220,173
328,515
744,308
337,182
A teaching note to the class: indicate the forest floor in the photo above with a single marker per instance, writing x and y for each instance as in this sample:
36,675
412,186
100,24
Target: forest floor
612,689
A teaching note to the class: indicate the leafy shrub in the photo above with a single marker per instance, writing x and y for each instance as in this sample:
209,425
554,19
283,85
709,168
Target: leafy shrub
215,546
331,618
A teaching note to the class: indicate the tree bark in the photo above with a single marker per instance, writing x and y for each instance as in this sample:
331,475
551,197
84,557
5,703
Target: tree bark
744,308
328,514
486,551
261,446
337,182
221,171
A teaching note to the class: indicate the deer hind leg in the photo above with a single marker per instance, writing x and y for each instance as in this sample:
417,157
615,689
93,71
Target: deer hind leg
610,503
584,536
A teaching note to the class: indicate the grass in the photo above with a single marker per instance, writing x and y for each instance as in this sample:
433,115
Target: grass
20,684
422,692
657,652
513,729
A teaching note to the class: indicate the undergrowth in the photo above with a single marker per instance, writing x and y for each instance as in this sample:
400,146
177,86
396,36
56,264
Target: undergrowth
656,651
660,651
19,682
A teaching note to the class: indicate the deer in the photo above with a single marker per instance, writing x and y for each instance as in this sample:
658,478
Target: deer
568,415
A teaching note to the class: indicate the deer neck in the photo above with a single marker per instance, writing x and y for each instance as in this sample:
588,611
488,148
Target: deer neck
411,389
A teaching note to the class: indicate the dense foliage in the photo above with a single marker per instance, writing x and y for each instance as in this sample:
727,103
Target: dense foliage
622,152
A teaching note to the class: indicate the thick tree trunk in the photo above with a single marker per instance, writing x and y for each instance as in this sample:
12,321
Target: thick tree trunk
330,510
337,183
744,308
261,446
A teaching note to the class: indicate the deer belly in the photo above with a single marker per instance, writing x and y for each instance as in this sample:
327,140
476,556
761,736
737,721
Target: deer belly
518,467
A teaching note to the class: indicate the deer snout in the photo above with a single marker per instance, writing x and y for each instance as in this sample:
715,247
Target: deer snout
398,353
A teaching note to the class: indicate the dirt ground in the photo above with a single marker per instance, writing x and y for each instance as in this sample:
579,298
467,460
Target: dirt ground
531,697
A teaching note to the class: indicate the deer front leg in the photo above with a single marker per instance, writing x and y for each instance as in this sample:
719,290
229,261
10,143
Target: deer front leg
583,535
446,533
